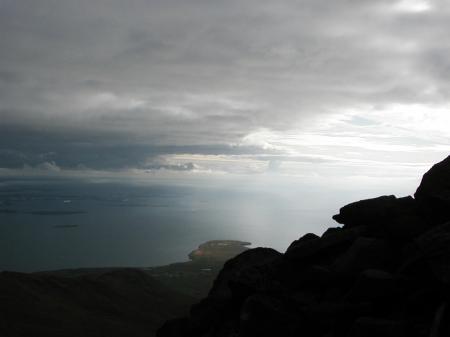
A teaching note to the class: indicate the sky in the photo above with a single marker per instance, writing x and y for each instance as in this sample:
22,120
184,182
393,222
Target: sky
329,92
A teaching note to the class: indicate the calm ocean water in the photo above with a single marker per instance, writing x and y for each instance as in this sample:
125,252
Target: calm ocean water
60,224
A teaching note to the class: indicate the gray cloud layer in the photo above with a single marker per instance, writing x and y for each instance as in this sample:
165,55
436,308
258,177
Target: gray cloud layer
108,84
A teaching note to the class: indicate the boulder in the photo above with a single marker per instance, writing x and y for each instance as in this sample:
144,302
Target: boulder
267,278
435,246
376,327
262,315
402,227
374,285
207,315
316,276
433,193
386,217
440,325
233,269
174,328
331,230
316,249
305,238
366,253
365,212
335,316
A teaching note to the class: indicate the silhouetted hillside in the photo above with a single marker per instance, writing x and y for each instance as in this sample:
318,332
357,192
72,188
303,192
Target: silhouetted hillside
385,272
108,301
122,302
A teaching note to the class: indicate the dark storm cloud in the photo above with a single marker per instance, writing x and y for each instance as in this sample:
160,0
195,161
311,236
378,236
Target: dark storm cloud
178,167
101,151
108,84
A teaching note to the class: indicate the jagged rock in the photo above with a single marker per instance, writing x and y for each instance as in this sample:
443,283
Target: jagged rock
365,212
435,245
366,253
386,217
402,227
433,193
268,278
376,327
438,326
331,230
234,267
305,238
374,285
336,316
316,279
207,315
316,276
262,315
421,303
304,298
313,249
174,328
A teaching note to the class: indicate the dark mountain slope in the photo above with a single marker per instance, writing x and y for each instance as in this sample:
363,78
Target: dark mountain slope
108,301
122,302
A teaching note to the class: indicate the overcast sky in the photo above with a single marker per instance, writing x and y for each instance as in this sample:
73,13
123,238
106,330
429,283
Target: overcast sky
313,88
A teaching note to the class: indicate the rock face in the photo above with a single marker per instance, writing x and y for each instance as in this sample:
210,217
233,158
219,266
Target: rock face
385,272
433,194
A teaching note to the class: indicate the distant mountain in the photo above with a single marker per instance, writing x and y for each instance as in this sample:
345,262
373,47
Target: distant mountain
384,273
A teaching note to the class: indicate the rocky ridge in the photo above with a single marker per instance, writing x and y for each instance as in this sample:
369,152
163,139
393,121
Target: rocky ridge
385,272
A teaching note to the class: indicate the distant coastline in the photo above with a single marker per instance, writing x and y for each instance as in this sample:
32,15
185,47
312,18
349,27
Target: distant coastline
43,212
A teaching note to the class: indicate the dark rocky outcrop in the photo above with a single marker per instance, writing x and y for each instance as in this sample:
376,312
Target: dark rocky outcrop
385,272
433,193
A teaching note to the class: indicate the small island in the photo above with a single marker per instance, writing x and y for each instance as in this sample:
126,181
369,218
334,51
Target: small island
195,277
219,250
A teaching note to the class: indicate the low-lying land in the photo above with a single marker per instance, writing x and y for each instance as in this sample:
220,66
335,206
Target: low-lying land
108,301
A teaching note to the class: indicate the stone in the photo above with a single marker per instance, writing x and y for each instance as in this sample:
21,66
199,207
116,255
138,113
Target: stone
374,285
365,253
265,278
404,227
305,238
365,212
433,193
331,230
438,326
233,269
376,327
207,314
435,246
262,315
174,328
337,316
316,248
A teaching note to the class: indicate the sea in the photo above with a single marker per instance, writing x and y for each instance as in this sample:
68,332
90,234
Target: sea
63,224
